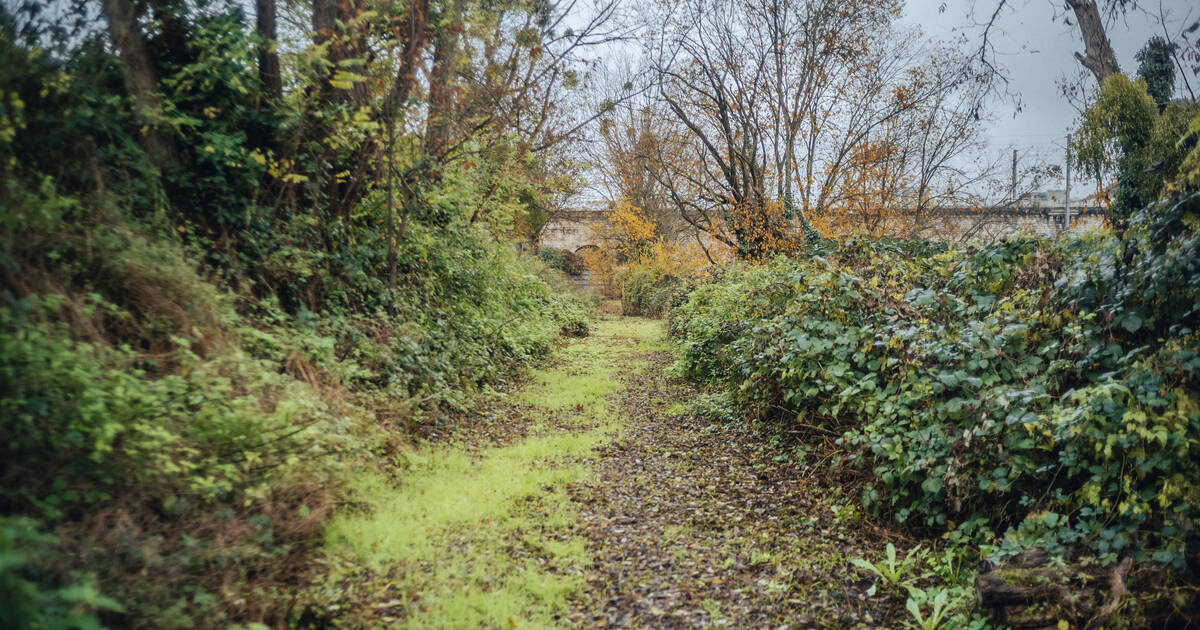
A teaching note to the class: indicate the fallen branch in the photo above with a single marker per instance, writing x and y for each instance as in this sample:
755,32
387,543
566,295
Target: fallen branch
1116,593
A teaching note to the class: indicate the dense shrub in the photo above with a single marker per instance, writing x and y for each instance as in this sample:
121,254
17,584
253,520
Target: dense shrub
1027,393
650,280
645,292
164,428
187,364
25,601
563,260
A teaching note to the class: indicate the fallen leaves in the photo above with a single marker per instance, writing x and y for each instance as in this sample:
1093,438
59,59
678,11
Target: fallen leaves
675,522
696,525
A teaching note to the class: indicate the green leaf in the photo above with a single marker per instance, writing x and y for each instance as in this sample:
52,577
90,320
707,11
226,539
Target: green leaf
1132,322
914,609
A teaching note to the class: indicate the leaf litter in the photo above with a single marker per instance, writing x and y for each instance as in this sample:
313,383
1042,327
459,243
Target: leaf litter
602,506
692,523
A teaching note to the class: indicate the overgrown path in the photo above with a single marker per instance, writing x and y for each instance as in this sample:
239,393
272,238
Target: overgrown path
595,497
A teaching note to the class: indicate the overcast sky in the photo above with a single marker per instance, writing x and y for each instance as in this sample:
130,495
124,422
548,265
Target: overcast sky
1036,47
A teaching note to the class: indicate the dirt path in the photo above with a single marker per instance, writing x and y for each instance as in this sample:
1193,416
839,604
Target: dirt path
594,497
694,524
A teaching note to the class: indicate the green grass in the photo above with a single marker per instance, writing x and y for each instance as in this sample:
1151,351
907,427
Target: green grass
486,539
583,378
586,372
447,488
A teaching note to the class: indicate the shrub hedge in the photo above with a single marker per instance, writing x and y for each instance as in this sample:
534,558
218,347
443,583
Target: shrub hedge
1030,393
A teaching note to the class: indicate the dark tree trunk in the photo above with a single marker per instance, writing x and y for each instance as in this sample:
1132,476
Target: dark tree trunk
342,45
415,32
1098,57
140,80
173,44
441,90
268,58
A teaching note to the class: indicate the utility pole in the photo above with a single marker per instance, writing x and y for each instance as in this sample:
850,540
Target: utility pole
1014,179
1067,194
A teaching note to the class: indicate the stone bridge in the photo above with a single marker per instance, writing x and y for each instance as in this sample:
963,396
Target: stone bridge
968,224
572,230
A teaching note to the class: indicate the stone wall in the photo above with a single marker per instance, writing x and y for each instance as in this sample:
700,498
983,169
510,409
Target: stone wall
954,225
573,231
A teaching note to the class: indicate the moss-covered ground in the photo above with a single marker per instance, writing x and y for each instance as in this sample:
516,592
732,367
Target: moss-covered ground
593,497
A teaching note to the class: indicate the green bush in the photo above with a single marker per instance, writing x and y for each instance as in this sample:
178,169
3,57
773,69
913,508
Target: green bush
211,435
193,350
1028,393
29,598
563,260
648,292
164,428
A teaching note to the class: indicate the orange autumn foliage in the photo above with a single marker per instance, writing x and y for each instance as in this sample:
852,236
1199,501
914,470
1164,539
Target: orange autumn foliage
872,196
761,230
629,242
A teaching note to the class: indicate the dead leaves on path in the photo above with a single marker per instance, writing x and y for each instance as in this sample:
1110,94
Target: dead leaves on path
697,525
684,523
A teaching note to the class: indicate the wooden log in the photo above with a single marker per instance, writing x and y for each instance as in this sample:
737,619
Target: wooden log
1042,622
1116,593
1027,597
1029,584
998,589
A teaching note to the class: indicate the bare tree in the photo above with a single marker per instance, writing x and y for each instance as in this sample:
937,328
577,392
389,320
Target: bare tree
519,86
781,104
1098,55
627,153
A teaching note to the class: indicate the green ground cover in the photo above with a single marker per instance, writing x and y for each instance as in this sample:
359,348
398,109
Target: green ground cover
486,536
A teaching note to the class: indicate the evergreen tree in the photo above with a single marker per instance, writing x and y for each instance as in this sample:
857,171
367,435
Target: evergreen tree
1156,67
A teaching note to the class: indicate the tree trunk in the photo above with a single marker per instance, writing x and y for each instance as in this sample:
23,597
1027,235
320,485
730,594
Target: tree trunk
1030,593
441,91
173,40
268,58
1099,56
391,203
329,22
139,78
414,31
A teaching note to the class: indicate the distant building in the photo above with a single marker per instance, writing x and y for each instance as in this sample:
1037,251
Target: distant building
1043,212
572,229
1044,198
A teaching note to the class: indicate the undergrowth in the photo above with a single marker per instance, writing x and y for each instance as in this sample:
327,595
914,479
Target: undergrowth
178,441
1028,394
180,416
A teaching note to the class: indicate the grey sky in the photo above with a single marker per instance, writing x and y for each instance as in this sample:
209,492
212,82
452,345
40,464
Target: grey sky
1036,48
